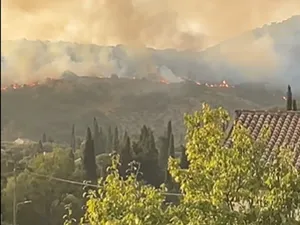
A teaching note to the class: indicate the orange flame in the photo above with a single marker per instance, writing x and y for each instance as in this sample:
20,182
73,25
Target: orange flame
163,81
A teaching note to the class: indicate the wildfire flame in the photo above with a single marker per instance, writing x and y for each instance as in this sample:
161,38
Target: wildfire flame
18,86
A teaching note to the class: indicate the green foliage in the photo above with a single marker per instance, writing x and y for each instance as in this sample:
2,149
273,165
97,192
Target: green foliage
232,185
146,153
47,196
125,201
219,185
184,163
123,102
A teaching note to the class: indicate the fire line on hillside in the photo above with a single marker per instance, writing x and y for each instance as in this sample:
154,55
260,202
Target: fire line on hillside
16,86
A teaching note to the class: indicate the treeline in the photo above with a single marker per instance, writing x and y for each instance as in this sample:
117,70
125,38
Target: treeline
151,155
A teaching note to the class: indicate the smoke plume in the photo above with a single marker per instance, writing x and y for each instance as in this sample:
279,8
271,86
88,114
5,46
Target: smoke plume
161,24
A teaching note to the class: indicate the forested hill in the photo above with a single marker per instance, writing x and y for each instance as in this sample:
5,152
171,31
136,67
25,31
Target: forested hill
55,105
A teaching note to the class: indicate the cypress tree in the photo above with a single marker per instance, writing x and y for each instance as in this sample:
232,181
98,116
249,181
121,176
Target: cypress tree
73,139
171,147
72,158
44,138
116,140
96,137
163,152
40,147
89,159
289,101
109,144
168,178
102,141
125,157
125,137
169,130
184,163
294,105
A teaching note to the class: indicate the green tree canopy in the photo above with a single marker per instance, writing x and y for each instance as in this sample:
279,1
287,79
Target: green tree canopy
221,185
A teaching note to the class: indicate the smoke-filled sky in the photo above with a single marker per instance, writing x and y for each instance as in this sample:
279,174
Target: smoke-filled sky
188,24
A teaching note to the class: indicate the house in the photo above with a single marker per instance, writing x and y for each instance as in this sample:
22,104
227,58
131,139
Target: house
22,141
284,127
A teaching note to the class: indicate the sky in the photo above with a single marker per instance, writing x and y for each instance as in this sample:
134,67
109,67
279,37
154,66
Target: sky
188,24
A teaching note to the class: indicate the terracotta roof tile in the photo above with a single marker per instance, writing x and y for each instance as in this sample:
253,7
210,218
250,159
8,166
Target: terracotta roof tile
284,127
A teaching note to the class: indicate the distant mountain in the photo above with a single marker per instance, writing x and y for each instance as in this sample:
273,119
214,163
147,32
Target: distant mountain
269,54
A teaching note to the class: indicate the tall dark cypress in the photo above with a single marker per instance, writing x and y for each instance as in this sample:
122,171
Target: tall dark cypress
289,100
163,152
184,163
89,159
102,141
96,137
125,157
40,148
109,143
44,138
116,140
171,147
125,137
169,130
73,139
168,179
294,105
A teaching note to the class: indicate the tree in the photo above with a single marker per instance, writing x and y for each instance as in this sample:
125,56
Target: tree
169,131
232,185
184,163
168,178
44,138
116,140
146,153
295,105
171,147
109,144
102,141
73,139
163,153
125,201
47,196
96,138
222,185
89,161
40,148
289,100
125,157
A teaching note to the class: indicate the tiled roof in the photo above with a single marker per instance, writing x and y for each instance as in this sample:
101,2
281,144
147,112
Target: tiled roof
284,125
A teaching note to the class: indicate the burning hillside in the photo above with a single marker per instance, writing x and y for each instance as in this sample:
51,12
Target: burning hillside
33,84
15,86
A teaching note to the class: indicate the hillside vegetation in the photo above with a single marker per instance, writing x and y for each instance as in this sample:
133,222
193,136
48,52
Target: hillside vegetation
130,103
